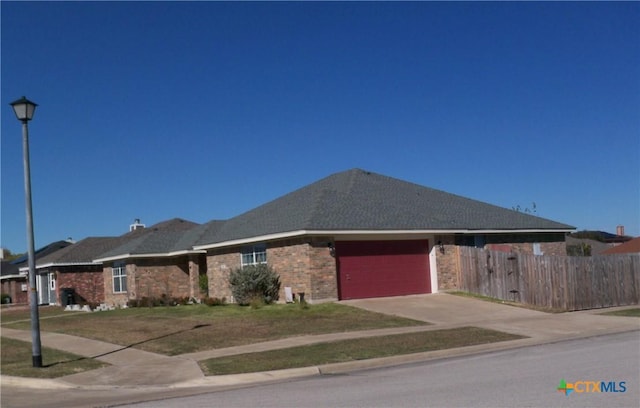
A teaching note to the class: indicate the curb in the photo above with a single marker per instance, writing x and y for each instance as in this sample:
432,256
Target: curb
294,373
251,378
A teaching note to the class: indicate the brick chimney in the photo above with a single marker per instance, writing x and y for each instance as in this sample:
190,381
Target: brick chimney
620,230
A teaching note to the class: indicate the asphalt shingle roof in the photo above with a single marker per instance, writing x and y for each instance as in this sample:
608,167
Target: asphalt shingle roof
82,252
13,267
165,237
42,252
159,238
629,247
360,200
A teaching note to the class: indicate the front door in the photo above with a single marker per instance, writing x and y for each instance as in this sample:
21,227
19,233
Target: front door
47,289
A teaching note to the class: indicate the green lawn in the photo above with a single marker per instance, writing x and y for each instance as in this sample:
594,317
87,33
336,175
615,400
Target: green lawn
351,350
17,361
633,312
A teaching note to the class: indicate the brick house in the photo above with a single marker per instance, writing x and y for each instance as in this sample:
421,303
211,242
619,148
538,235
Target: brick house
14,274
159,261
72,270
358,234
354,234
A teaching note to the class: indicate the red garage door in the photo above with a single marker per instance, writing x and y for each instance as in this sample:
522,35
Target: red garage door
382,268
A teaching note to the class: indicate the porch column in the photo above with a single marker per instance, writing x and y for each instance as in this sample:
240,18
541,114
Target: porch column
194,275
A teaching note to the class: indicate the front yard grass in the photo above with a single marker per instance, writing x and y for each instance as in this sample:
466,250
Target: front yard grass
351,350
16,360
187,329
633,312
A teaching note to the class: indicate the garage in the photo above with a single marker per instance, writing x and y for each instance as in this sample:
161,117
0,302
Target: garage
369,269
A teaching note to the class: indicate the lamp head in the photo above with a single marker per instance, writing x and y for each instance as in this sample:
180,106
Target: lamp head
23,109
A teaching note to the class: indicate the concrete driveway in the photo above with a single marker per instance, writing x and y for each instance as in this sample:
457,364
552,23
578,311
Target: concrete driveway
446,310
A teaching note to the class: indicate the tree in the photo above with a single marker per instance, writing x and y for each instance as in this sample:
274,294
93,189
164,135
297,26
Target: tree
527,210
7,255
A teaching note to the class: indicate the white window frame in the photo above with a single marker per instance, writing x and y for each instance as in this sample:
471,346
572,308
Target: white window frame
253,255
119,274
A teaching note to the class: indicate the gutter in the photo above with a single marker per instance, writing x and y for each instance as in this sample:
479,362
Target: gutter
299,233
151,255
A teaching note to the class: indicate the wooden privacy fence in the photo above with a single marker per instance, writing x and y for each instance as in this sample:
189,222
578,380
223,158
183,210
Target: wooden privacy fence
559,282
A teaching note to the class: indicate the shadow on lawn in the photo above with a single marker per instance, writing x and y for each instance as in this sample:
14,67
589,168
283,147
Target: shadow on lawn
197,326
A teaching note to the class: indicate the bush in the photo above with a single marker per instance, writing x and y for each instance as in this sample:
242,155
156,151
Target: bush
215,301
5,298
203,284
254,282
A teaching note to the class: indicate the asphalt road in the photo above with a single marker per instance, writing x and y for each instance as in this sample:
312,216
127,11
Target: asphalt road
526,377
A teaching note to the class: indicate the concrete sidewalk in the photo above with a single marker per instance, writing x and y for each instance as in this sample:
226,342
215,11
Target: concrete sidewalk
132,368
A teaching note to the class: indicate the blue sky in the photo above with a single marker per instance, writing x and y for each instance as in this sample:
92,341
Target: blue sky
204,110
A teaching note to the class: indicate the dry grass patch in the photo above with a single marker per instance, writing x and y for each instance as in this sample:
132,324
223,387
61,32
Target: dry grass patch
17,361
351,350
186,329
507,302
22,313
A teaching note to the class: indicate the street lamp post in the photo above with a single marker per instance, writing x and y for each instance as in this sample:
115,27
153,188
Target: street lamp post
24,110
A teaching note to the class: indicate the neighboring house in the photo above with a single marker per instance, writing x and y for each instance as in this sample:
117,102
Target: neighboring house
630,247
357,234
589,243
14,274
160,261
145,262
14,283
72,270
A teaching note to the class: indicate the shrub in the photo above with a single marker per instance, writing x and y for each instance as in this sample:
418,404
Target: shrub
181,300
140,302
303,304
215,301
254,282
256,302
5,298
203,283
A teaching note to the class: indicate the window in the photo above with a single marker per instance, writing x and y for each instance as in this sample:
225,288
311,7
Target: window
119,272
253,255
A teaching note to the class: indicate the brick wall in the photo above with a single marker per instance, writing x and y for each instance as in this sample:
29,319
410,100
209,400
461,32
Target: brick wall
164,276
88,283
13,287
305,265
154,277
447,263
324,276
116,299
290,259
220,262
197,267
